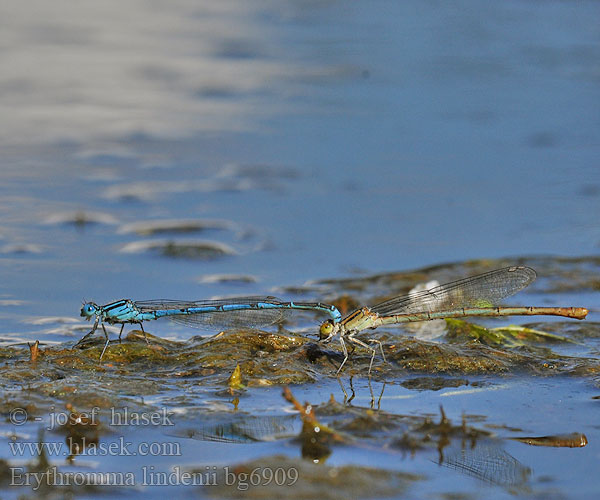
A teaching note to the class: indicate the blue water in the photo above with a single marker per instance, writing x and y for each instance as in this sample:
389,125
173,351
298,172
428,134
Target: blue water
335,139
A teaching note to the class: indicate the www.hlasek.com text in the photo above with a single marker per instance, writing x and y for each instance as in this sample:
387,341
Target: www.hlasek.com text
83,447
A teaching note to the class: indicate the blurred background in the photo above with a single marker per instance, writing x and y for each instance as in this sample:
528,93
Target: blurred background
199,149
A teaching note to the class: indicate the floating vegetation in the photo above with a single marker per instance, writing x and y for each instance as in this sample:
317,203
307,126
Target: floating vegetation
272,358
231,364
148,228
225,390
80,218
513,335
21,248
573,440
433,383
228,278
182,248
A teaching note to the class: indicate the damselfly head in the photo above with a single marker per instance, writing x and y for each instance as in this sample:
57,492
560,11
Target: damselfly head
326,329
88,310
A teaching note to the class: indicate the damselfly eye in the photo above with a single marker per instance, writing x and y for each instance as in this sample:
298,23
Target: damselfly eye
88,309
326,329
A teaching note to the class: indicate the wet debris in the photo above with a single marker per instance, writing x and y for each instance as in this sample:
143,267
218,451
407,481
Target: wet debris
80,218
573,440
34,350
181,248
234,279
149,228
315,437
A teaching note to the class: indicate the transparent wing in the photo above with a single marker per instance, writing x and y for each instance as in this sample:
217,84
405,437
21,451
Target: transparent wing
489,463
253,316
483,290
231,319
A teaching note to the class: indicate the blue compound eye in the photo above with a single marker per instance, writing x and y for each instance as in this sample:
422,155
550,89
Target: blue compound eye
88,309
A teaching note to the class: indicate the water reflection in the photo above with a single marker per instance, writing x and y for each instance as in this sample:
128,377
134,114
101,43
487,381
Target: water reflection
243,429
488,462
348,399
153,70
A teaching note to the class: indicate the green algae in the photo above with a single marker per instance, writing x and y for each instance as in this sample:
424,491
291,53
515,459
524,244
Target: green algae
511,335
144,371
265,358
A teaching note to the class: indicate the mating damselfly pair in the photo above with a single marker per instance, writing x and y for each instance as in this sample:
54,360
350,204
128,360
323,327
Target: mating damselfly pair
473,296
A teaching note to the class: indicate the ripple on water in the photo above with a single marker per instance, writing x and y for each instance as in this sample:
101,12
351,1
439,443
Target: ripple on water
259,171
149,191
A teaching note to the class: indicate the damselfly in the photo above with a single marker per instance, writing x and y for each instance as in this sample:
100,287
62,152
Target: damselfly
224,313
474,296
